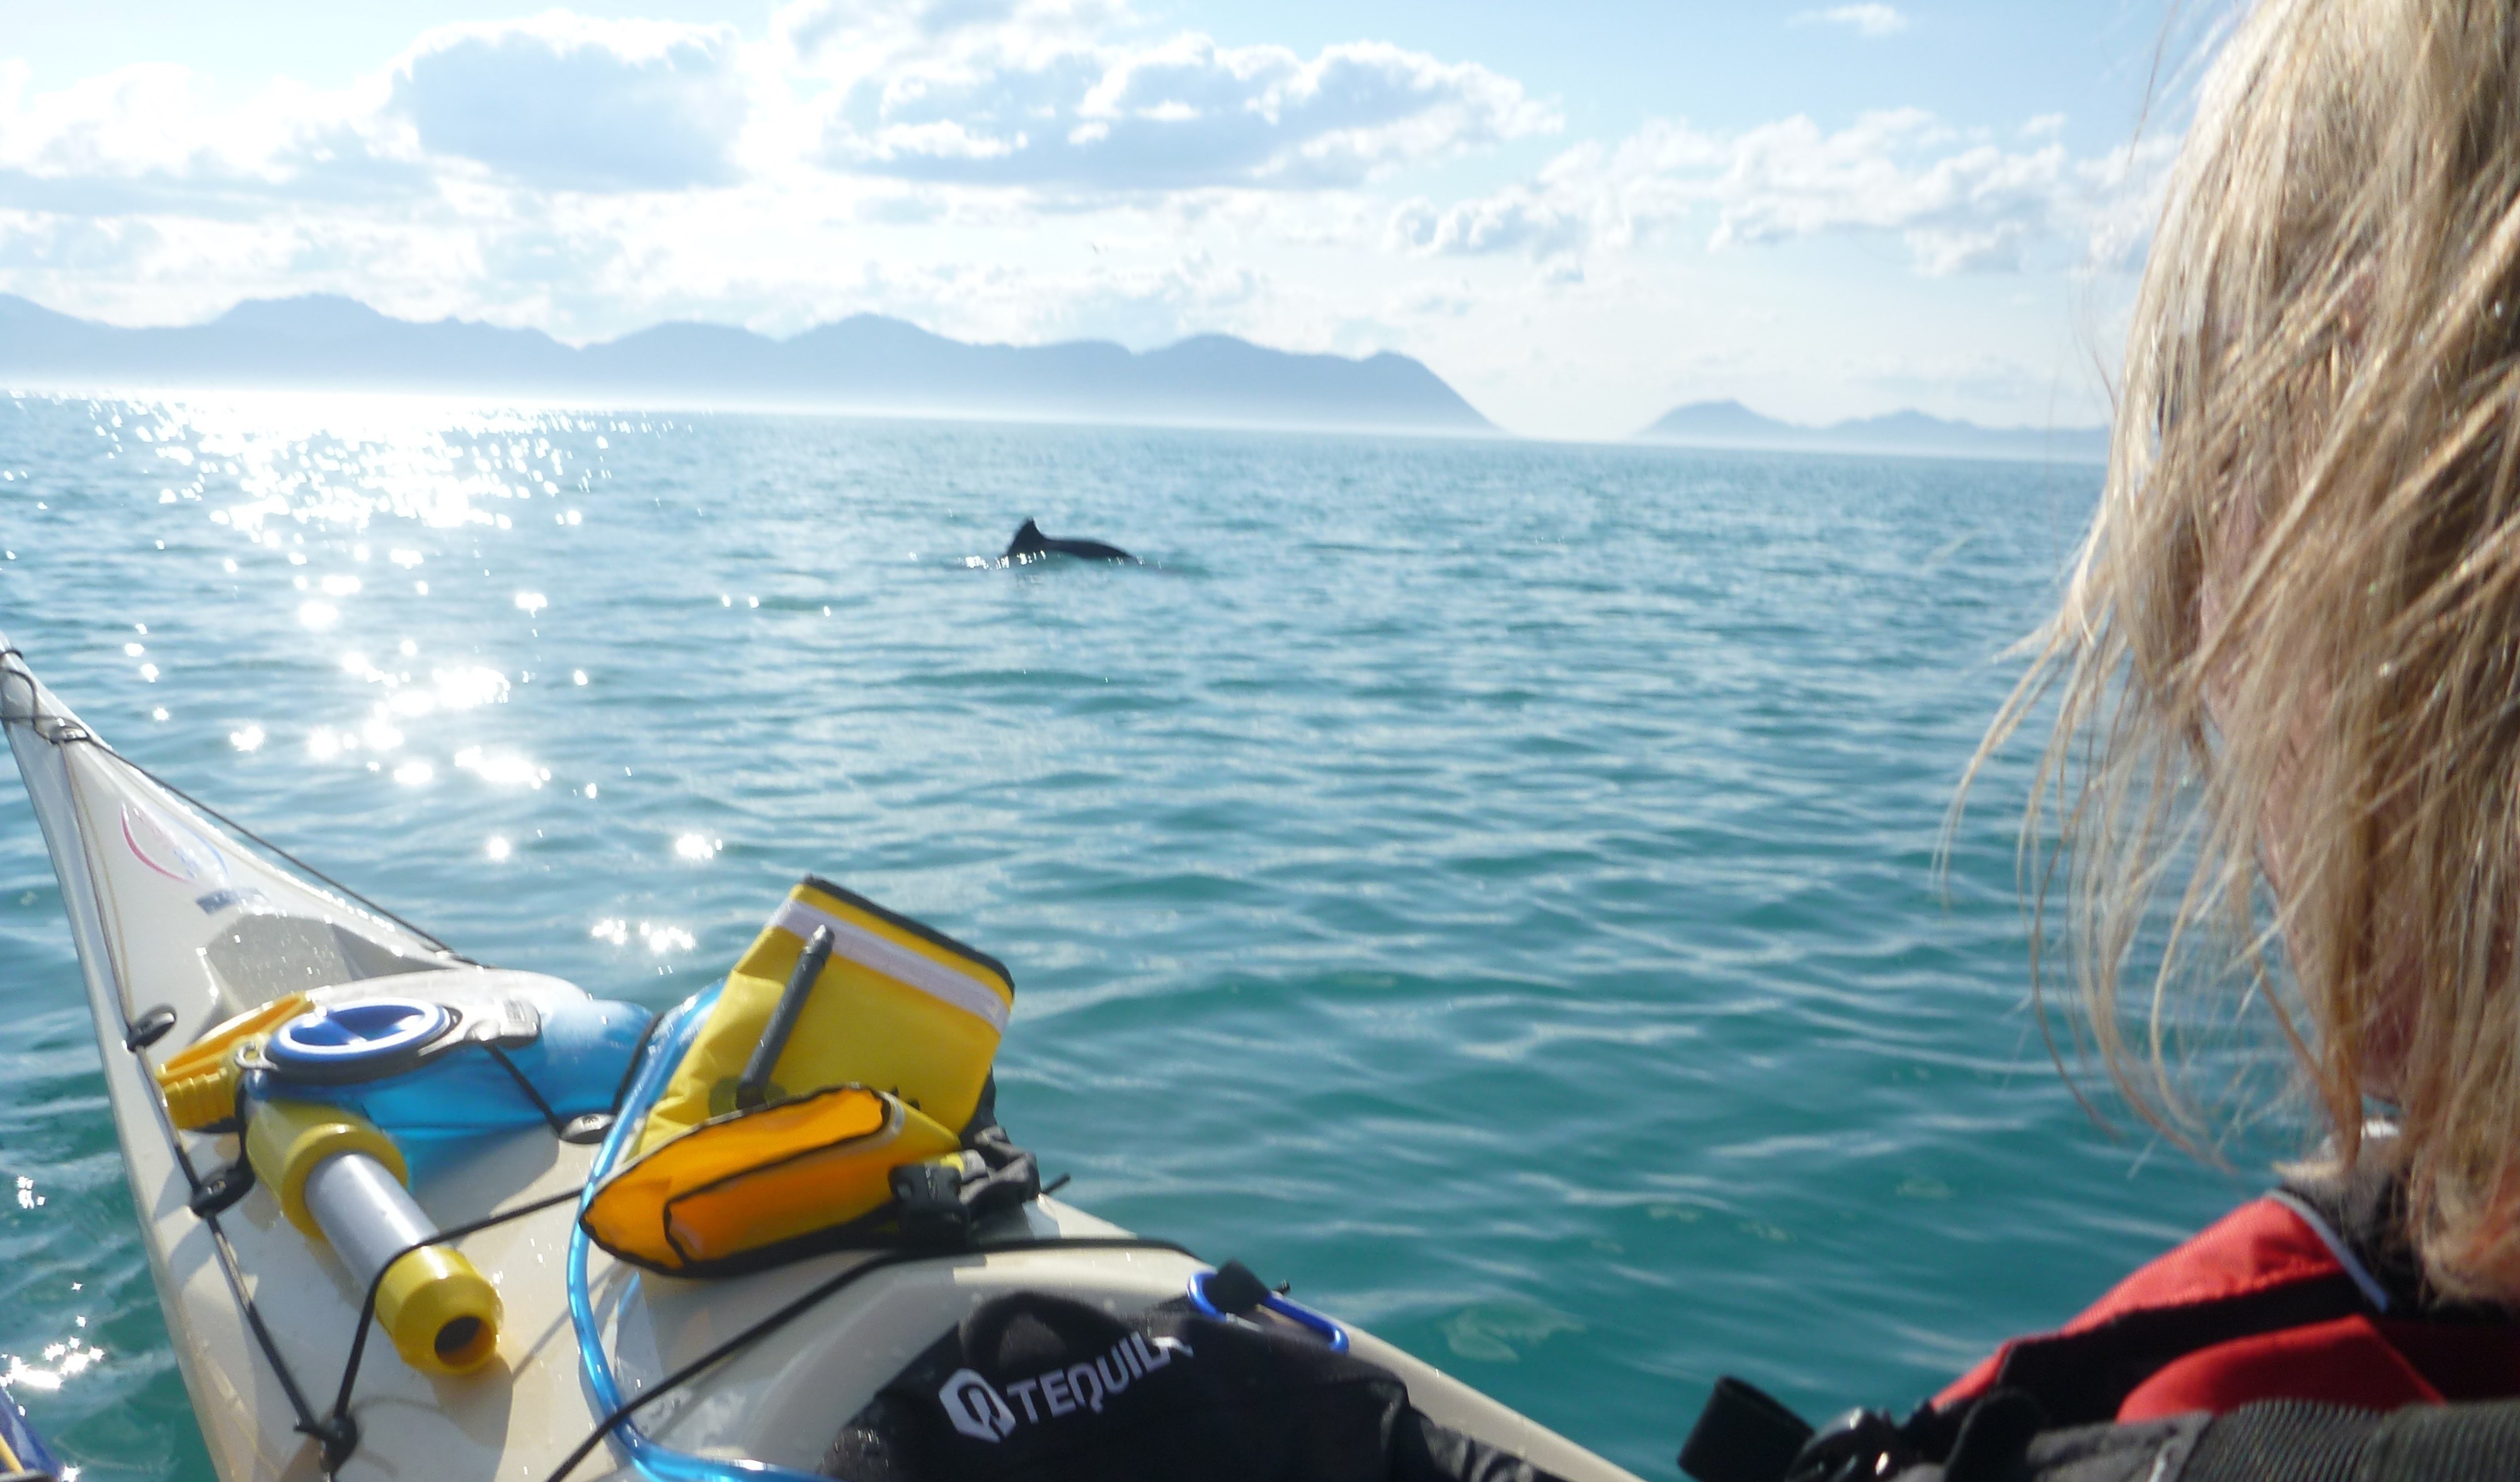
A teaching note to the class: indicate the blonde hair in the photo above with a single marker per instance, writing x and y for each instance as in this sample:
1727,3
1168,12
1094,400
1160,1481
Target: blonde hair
2288,657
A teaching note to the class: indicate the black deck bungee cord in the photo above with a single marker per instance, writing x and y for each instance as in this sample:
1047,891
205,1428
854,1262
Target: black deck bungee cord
578,1131
229,1267
64,730
338,1430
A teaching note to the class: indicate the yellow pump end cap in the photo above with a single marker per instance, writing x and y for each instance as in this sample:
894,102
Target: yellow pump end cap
442,1316
285,1140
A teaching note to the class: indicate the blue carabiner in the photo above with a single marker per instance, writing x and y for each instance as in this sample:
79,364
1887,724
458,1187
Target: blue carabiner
1293,1312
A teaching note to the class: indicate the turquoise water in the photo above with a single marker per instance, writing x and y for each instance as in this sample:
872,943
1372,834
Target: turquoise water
1488,885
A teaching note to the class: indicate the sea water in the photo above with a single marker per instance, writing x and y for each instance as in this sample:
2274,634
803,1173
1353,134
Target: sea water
1489,886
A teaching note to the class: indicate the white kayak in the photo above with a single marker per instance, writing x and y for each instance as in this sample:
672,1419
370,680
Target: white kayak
180,927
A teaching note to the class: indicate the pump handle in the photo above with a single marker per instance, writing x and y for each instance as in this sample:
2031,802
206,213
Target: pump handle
754,1088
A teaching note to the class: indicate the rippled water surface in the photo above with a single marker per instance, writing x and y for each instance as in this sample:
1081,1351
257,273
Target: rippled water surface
1490,886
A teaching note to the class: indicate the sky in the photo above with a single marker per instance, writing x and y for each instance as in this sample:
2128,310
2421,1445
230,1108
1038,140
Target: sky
1580,214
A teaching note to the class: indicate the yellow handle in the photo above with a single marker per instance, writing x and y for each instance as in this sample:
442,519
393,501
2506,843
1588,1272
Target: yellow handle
199,1055
199,1080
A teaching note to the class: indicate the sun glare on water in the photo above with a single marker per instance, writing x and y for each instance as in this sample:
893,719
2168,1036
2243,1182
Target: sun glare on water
317,493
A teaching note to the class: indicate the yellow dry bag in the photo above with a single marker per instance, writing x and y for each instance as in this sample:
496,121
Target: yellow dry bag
778,1133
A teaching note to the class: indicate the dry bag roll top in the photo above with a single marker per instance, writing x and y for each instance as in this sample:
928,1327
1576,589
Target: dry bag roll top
886,1059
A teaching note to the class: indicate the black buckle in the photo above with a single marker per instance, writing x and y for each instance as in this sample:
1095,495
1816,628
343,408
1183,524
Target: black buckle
930,1197
219,1194
1857,1445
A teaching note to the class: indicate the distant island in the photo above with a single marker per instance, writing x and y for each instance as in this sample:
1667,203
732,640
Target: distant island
1730,425
864,363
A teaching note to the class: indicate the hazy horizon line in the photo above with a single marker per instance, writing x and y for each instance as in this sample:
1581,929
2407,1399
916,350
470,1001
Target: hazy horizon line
1493,435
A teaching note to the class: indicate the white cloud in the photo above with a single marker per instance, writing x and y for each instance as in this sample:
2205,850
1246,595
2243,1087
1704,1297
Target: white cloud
149,137
1959,202
1025,94
1961,207
558,103
566,103
1448,301
1868,19
1182,114
1518,220
852,39
1066,96
45,243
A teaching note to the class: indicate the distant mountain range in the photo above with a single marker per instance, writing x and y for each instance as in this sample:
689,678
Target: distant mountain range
862,362
869,362
1730,425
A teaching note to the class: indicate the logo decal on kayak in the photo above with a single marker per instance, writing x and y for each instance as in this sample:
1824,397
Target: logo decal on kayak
976,1407
978,1410
177,852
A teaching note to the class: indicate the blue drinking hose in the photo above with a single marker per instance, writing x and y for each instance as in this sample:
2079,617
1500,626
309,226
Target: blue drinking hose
664,1051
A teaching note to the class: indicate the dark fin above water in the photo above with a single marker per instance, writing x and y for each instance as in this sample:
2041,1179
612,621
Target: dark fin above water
1030,543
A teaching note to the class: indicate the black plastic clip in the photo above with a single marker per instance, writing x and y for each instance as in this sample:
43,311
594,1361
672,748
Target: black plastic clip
219,1193
148,1029
589,1128
336,1437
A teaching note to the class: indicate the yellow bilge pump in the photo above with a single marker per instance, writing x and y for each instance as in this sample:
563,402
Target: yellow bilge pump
341,1180
837,1093
341,1095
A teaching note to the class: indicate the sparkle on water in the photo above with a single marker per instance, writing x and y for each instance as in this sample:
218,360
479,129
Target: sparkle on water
1488,885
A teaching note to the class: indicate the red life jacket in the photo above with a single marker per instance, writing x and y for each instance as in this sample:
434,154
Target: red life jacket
2272,1302
2294,1338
